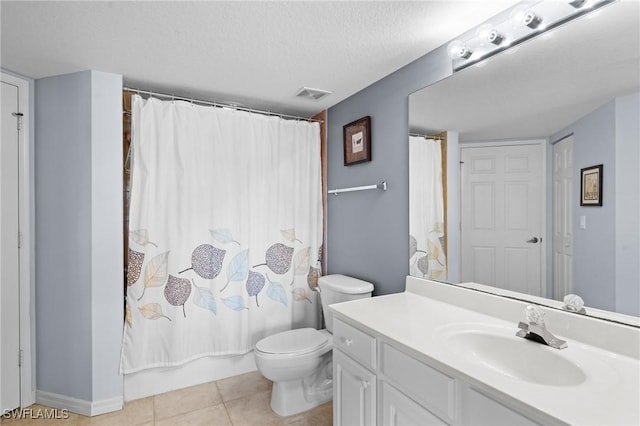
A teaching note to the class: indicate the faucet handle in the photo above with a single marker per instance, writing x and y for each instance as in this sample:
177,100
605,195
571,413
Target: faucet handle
534,314
574,303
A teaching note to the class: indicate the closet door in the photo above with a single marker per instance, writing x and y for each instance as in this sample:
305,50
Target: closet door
9,252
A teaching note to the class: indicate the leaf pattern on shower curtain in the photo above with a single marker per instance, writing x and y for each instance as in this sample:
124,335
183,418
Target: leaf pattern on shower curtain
177,291
127,314
312,277
223,236
155,273
278,258
432,264
235,303
423,265
134,266
255,284
289,234
276,292
413,246
300,295
152,311
206,261
238,268
301,261
203,298
141,237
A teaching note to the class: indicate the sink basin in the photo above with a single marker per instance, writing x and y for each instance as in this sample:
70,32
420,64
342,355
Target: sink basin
500,350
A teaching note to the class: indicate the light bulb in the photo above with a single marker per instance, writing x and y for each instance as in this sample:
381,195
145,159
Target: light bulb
531,20
495,37
458,50
464,52
483,31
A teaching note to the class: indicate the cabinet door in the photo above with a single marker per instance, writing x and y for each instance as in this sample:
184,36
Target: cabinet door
354,392
480,409
400,410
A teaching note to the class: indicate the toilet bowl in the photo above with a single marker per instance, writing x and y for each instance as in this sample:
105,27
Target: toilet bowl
287,359
299,361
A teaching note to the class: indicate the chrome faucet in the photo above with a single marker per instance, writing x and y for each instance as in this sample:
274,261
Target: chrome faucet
536,329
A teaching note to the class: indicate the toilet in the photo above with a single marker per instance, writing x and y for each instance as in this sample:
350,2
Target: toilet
299,361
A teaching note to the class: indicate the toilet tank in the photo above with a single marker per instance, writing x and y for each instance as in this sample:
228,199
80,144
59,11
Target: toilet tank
338,288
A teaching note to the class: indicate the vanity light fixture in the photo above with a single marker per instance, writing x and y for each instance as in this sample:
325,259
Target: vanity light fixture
514,26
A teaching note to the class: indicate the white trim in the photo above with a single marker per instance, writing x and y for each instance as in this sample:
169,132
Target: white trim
26,259
542,143
155,381
79,406
479,144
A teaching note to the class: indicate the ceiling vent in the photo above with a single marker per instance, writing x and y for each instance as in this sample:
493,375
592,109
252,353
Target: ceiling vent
314,94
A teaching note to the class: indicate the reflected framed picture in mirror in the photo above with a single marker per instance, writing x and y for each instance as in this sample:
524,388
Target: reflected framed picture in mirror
591,186
357,141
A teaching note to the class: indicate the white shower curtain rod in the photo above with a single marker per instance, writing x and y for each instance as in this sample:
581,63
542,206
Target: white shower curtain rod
217,104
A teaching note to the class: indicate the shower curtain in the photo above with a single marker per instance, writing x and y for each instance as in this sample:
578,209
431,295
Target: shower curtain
225,231
426,209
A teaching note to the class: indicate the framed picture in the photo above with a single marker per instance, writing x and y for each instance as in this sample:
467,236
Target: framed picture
591,186
357,141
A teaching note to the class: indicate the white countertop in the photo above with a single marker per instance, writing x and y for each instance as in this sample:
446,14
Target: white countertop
416,322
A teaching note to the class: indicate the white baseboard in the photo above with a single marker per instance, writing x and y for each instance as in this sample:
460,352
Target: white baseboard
160,380
79,406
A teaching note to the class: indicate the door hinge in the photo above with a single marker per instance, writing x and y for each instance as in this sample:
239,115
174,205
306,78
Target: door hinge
20,357
20,240
19,116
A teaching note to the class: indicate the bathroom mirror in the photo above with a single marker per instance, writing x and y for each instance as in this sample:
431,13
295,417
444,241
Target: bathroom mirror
582,81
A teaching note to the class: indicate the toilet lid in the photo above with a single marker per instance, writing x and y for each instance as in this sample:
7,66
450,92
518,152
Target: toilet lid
292,341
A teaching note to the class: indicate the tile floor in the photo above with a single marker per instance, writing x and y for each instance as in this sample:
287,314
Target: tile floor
239,400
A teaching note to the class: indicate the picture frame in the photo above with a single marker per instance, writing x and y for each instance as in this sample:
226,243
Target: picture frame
591,186
357,141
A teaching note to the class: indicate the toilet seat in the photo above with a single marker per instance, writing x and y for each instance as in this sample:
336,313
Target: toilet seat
292,342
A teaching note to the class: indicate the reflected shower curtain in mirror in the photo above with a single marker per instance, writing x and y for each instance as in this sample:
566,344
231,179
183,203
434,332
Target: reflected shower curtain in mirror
225,231
426,209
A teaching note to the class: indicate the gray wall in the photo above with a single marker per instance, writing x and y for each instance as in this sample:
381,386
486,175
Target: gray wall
627,218
368,231
78,228
605,254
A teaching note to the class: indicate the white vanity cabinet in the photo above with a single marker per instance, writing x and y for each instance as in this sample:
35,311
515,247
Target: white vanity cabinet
442,354
354,388
412,392
354,396
477,408
376,383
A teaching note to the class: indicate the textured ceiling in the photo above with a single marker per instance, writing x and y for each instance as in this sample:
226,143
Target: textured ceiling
254,53
541,86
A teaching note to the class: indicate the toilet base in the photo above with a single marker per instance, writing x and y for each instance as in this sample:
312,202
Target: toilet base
287,398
